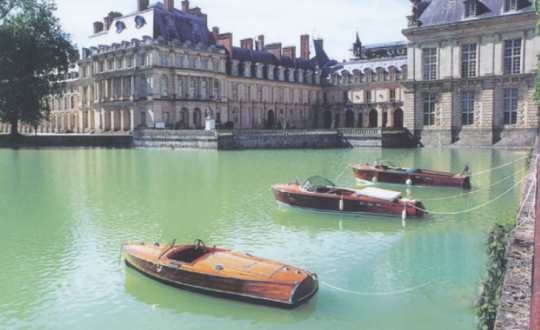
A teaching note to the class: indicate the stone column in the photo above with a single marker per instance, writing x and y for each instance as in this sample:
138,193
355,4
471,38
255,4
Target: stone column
111,113
122,120
131,120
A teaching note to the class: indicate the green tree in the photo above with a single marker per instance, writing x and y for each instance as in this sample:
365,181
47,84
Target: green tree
7,6
34,55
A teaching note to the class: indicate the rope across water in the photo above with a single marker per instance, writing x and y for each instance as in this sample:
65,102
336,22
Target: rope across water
373,294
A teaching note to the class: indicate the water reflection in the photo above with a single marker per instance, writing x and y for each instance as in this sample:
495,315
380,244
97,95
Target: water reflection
177,301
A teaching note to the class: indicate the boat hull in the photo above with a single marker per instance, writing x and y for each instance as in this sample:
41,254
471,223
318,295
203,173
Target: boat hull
346,204
285,295
432,178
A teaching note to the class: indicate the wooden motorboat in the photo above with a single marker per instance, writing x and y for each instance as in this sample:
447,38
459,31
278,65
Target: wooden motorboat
384,171
320,194
223,273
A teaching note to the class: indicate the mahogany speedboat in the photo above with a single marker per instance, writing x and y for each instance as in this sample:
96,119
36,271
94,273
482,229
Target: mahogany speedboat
224,273
320,194
384,171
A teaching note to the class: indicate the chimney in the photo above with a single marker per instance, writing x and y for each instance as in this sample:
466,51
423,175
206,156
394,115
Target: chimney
185,6
98,27
247,43
108,20
169,4
215,32
261,43
226,39
274,49
142,4
304,47
291,52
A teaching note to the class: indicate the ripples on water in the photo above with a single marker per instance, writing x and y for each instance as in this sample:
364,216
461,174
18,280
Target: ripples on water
65,213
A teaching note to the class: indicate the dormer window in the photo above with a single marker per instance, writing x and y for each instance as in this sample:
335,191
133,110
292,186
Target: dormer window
235,70
247,70
470,9
510,5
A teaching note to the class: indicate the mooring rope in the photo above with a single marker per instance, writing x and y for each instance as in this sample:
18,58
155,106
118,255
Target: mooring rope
477,190
530,215
474,208
491,169
373,294
339,176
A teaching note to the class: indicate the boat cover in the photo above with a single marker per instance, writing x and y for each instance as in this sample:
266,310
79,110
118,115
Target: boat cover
387,195
412,170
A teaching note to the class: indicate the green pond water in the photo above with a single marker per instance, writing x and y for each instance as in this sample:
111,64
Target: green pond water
64,214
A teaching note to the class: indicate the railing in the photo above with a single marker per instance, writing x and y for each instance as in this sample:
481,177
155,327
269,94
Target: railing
279,132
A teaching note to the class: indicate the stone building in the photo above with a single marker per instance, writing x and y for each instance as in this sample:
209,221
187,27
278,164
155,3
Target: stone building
367,91
472,66
161,67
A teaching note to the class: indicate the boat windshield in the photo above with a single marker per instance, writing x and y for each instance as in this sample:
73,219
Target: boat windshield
319,181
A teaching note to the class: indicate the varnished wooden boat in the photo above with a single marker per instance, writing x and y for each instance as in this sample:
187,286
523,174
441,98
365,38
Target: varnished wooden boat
389,173
223,273
320,194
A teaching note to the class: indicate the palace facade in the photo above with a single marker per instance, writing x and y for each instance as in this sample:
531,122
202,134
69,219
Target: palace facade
465,76
472,67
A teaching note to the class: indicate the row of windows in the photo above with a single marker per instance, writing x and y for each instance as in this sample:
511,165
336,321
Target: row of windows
512,60
472,8
467,110
293,75
369,76
273,95
367,96
142,59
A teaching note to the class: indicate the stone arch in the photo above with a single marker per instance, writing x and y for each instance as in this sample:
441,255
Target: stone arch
327,119
398,118
349,118
270,119
360,121
373,118
197,118
183,121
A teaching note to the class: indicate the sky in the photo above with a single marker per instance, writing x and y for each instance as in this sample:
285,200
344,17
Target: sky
334,21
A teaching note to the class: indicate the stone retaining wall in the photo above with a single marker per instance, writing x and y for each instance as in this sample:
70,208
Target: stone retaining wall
175,139
274,139
67,140
515,302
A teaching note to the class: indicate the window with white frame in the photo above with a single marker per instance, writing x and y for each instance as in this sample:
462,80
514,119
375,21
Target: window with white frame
470,8
429,109
179,86
467,110
192,63
179,61
164,60
259,94
248,93
235,70
204,64
130,61
301,97
510,106
216,89
468,60
430,63
512,56
235,93
367,97
247,70
510,5
271,94
281,95
164,85
291,96
216,65
392,95
192,88
203,89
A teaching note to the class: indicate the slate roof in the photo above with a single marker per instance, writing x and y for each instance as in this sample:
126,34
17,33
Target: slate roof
181,26
438,12
321,59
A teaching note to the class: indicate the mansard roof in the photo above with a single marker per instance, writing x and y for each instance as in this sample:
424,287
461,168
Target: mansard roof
181,26
320,60
438,12
155,22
